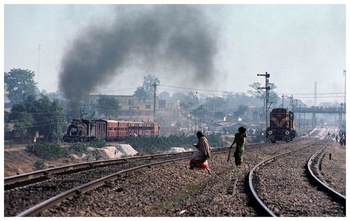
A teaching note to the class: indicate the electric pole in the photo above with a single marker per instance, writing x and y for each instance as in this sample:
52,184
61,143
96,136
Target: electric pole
344,73
38,64
154,100
267,89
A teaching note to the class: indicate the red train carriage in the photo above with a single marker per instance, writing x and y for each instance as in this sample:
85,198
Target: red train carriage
108,130
281,125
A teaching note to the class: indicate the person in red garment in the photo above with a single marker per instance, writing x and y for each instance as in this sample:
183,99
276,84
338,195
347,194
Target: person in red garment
200,158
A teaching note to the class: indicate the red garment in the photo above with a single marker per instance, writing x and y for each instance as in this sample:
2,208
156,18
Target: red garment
199,165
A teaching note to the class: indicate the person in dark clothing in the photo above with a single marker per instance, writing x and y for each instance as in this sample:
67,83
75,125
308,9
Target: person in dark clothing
239,140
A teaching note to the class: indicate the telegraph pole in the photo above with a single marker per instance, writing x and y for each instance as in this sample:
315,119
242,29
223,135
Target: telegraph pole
344,73
267,89
154,101
38,64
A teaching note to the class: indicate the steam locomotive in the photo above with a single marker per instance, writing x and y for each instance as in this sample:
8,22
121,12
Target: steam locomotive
81,130
281,125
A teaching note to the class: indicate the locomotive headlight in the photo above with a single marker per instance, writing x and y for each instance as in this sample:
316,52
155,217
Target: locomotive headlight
286,133
270,132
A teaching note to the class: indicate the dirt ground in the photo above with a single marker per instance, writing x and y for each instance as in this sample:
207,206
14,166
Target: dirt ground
18,161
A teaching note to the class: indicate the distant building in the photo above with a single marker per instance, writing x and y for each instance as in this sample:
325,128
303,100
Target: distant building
132,108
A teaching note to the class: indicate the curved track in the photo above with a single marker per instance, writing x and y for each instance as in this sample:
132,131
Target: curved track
288,194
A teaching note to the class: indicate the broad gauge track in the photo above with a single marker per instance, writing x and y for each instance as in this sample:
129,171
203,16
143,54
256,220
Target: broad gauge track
281,186
163,186
25,191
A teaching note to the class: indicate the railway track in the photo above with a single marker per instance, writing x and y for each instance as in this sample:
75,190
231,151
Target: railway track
314,170
38,186
162,189
282,188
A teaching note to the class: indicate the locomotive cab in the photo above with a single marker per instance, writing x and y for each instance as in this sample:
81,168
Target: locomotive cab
78,130
281,125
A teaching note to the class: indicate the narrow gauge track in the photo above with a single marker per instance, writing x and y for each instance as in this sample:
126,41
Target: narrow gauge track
163,190
281,186
27,190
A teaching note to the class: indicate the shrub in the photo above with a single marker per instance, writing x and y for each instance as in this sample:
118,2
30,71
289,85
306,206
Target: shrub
47,151
39,165
161,143
98,143
78,147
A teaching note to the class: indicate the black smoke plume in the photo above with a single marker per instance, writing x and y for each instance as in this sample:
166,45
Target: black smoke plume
172,36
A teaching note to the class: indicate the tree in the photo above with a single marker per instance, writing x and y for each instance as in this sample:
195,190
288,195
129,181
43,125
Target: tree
213,103
146,91
164,95
242,110
34,116
258,93
199,114
19,84
108,106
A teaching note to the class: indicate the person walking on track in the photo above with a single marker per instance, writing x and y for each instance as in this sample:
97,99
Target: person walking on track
239,140
200,158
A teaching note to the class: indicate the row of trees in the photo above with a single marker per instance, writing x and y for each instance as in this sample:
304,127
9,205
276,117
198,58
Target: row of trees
33,115
33,112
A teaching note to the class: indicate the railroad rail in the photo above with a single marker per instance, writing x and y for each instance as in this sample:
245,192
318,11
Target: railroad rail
251,185
85,188
77,195
20,181
278,207
313,168
34,176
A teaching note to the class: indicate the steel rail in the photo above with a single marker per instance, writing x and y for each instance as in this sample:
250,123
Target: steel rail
72,167
251,186
85,188
339,196
40,174
94,184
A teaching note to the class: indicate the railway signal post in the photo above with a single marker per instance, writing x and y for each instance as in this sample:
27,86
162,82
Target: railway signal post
267,88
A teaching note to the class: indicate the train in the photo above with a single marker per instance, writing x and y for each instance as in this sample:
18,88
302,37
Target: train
281,125
82,130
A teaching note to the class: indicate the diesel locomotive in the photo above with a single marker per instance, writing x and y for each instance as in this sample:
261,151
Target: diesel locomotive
81,130
281,125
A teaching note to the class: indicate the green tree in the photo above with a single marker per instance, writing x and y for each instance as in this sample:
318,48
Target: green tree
108,106
34,116
19,84
146,91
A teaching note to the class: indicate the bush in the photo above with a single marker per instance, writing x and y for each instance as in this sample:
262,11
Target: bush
98,143
78,147
39,165
162,143
47,151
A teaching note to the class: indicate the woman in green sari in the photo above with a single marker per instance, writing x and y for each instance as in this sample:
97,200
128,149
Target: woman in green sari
240,139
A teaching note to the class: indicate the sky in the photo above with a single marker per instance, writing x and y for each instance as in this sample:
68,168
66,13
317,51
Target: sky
210,49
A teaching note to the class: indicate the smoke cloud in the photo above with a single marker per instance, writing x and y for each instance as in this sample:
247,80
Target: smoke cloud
178,37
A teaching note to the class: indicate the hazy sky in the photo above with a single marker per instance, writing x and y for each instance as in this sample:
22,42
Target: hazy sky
208,48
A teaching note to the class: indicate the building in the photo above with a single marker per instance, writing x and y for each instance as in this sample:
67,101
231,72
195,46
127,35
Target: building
131,108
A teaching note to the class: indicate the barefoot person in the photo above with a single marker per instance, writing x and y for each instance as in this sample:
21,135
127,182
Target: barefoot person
200,158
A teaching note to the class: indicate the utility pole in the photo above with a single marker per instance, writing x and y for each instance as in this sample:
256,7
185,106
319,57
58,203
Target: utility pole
154,100
38,64
267,89
344,73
